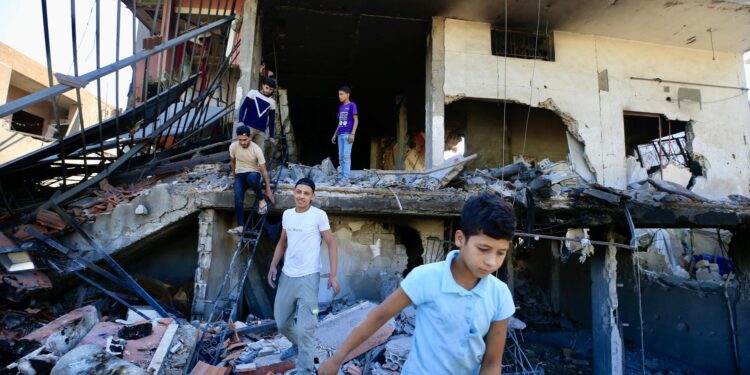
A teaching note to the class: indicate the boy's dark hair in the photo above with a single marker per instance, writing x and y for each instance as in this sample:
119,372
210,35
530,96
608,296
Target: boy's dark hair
307,182
243,130
345,89
270,82
490,215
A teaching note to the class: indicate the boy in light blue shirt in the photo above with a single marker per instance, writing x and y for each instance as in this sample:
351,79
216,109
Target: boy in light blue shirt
462,309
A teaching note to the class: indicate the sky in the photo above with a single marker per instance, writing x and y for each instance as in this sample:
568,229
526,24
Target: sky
22,29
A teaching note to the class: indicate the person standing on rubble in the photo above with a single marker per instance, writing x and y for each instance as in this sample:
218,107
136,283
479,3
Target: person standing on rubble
296,307
258,111
462,309
248,164
348,120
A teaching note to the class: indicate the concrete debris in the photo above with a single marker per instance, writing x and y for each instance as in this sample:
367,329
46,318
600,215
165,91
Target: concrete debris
64,333
92,359
696,254
141,210
333,330
397,351
136,330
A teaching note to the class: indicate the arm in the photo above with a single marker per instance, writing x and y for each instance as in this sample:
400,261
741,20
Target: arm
234,162
396,302
333,257
243,110
495,340
271,122
354,129
277,255
264,173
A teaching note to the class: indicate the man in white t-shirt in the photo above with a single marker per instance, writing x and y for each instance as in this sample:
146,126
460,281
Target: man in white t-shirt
296,305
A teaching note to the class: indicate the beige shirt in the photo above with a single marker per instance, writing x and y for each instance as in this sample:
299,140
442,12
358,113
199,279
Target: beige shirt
246,159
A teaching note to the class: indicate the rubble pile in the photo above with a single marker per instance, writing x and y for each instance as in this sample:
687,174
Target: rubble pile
691,254
83,341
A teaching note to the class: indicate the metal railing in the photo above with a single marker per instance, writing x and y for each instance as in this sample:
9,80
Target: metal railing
180,88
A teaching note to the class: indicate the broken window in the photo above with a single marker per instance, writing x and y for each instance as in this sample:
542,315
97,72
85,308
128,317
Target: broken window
522,44
533,133
656,141
27,123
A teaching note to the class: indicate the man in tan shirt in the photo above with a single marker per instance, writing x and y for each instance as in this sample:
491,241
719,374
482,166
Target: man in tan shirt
248,163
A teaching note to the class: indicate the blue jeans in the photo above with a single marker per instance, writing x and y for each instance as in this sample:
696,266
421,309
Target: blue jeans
243,181
345,155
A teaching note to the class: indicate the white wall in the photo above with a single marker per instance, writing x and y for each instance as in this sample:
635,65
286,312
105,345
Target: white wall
720,128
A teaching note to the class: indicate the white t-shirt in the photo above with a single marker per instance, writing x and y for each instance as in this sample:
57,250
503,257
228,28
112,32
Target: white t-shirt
303,232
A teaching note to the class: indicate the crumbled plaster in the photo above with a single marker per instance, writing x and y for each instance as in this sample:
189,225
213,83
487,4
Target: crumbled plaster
574,134
454,98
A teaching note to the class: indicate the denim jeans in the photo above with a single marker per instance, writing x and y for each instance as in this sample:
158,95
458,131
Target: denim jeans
243,181
345,155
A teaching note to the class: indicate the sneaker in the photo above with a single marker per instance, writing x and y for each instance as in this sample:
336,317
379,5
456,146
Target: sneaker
235,231
289,353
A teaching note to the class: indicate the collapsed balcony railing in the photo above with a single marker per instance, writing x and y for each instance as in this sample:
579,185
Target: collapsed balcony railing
160,123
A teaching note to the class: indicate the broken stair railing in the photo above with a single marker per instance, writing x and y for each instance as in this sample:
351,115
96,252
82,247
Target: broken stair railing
229,294
88,264
59,89
126,278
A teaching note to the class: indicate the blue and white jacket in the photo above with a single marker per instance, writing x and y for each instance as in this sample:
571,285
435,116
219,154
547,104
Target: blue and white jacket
258,111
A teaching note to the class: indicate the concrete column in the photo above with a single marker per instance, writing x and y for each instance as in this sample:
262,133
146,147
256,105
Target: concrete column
5,73
401,133
608,346
434,95
205,246
374,154
246,60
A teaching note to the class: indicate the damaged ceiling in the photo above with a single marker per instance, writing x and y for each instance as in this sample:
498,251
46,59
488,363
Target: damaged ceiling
682,23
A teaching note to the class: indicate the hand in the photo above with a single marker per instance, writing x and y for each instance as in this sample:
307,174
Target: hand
334,284
329,367
269,195
351,138
274,141
272,277
333,139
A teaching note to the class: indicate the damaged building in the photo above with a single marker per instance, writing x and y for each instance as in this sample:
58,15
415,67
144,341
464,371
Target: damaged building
617,129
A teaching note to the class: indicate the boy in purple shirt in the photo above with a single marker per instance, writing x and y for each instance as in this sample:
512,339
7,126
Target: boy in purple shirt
345,131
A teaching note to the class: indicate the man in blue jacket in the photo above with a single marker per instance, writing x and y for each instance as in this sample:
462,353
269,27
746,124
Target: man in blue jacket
258,111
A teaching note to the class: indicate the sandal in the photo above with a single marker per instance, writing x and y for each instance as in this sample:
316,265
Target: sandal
262,207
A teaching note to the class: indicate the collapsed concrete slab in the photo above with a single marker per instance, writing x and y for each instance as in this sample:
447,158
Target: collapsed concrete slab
334,329
65,332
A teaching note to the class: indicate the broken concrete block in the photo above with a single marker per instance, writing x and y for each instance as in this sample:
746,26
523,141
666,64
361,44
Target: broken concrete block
91,359
333,330
141,210
327,167
705,274
204,368
397,350
136,330
64,333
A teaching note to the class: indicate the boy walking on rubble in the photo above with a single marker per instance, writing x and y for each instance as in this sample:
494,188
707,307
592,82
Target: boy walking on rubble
258,111
462,309
296,307
348,120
